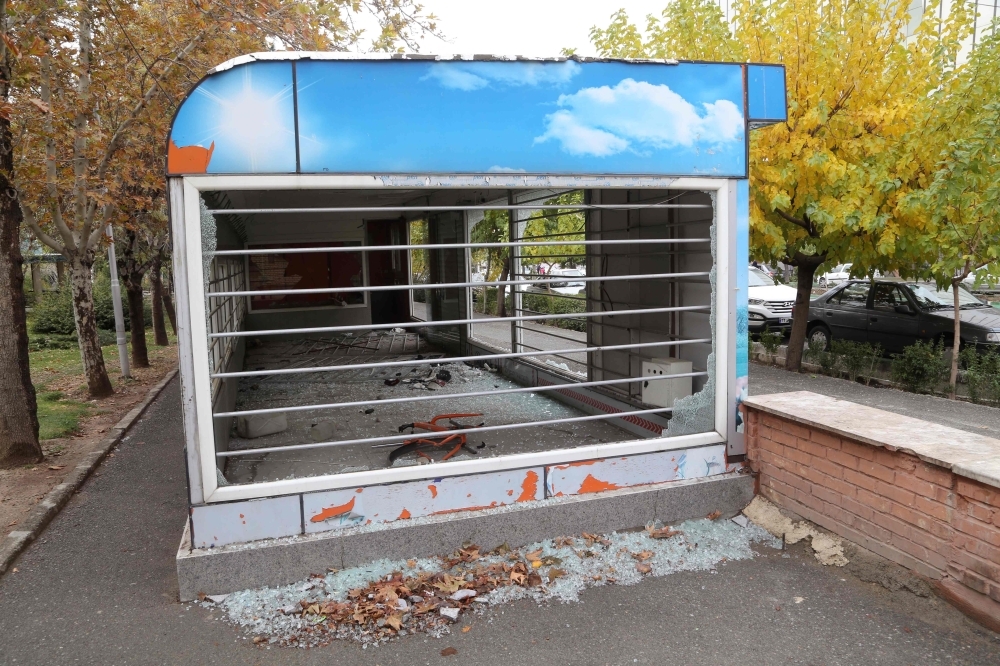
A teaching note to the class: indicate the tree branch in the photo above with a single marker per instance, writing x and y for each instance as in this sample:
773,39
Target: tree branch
29,218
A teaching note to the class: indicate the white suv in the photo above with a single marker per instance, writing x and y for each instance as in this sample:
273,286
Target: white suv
770,304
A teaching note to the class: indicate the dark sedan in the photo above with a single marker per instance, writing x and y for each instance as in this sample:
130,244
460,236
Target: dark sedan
895,314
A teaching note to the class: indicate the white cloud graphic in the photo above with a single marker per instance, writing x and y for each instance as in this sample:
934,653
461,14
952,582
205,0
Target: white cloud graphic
503,169
456,79
637,115
475,75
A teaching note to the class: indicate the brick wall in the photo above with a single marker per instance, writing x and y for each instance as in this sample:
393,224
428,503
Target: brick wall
923,516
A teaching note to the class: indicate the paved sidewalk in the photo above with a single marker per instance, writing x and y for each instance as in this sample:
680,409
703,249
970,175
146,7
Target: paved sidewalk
99,587
966,416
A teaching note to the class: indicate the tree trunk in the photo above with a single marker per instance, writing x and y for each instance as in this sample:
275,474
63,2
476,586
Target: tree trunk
489,267
18,409
168,305
956,343
98,383
502,289
159,328
137,324
807,266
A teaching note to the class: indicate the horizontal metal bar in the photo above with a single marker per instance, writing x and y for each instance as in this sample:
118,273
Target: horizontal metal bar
454,285
448,396
382,442
452,246
451,322
450,359
435,209
552,335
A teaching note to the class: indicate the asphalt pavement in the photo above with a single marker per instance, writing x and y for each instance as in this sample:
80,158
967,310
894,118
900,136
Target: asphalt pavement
99,587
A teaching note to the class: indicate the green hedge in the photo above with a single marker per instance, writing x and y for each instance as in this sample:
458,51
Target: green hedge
54,311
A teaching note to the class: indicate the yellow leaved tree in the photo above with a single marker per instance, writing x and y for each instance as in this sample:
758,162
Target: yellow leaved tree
827,185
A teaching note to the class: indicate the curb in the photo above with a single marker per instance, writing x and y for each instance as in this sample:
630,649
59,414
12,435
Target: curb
47,508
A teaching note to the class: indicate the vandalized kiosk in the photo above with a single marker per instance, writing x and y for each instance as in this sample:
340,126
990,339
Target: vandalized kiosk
465,295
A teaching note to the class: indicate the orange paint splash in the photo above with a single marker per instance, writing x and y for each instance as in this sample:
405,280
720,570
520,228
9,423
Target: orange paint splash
529,488
333,512
404,514
592,485
360,490
434,490
510,493
188,159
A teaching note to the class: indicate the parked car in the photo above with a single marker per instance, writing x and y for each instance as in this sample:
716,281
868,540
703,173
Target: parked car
837,275
895,314
770,304
979,281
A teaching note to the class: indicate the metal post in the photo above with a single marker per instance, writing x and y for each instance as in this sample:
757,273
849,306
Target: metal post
116,300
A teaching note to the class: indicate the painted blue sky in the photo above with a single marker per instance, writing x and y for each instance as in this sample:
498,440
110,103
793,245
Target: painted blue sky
472,117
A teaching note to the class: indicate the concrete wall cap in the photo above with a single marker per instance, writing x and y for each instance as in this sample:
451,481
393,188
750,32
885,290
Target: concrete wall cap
965,454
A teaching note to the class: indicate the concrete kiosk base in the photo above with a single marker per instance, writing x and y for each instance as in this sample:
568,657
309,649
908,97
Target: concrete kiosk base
282,561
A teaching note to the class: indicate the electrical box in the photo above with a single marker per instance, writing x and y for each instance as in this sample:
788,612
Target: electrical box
663,392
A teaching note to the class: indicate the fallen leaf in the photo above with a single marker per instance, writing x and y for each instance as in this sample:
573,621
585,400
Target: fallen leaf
469,553
448,652
714,515
663,533
555,573
643,568
465,629
563,542
395,621
536,564
12,524
643,556
411,563
798,600
516,577
534,555
14,570
56,468
259,639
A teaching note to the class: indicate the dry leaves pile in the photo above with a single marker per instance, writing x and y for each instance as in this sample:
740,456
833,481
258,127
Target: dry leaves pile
403,602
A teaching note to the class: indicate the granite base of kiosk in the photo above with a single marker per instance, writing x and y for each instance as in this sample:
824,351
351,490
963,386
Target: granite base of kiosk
283,561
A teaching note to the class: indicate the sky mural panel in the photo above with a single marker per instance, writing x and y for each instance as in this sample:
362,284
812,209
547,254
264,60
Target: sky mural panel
462,116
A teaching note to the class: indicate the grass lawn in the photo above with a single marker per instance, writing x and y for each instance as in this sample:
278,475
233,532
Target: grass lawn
60,385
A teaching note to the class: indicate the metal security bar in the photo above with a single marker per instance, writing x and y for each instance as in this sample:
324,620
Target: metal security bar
457,246
437,209
451,359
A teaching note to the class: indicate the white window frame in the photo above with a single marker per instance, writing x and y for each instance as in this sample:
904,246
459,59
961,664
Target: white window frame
196,375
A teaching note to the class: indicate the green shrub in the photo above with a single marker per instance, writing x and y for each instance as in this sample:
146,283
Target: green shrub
828,360
982,375
53,313
920,367
770,340
545,304
857,357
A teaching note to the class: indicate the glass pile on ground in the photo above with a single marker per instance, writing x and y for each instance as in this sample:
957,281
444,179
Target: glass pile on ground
374,603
